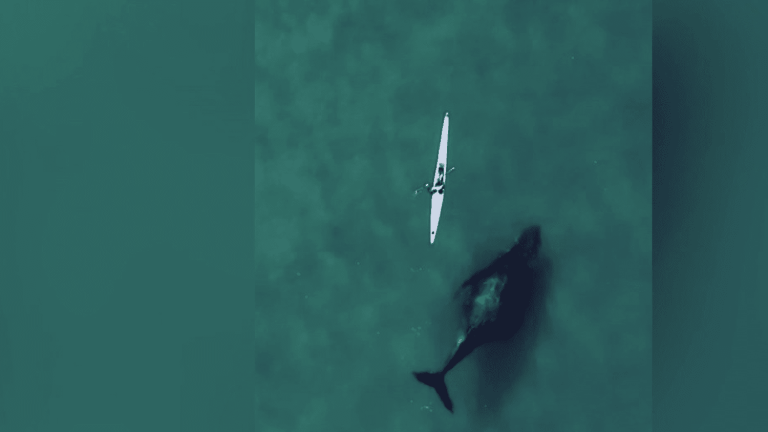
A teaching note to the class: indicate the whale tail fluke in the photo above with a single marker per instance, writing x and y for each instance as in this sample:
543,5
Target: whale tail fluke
436,381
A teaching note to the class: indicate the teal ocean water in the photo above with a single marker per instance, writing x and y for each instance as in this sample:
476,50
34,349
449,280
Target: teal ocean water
207,220
550,107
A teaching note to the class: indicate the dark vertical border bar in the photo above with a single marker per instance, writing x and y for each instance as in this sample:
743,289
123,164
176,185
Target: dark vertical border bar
710,210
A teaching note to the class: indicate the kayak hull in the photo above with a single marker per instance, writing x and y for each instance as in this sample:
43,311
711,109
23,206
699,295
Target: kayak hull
434,217
442,152
437,197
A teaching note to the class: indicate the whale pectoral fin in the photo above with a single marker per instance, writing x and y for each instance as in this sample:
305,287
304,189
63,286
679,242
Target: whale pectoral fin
437,382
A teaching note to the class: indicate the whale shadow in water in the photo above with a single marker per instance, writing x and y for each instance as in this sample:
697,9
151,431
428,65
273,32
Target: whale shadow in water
500,365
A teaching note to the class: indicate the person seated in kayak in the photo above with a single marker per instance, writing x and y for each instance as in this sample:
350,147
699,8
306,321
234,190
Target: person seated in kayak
439,185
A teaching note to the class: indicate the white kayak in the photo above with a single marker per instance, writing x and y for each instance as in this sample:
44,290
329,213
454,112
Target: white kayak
439,181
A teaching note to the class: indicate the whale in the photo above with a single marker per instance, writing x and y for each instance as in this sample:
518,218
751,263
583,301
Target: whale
495,302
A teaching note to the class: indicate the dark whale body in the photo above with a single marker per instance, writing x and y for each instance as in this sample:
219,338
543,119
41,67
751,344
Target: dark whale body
495,302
